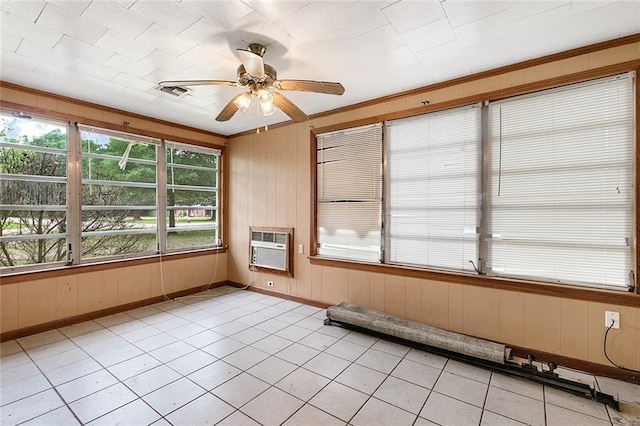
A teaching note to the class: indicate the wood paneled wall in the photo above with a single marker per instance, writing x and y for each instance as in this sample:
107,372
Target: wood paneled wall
270,185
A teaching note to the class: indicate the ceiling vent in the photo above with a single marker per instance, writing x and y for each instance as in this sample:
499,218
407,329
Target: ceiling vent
175,91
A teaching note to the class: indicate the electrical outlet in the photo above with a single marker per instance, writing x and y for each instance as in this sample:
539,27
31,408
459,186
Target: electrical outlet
612,316
300,248
269,283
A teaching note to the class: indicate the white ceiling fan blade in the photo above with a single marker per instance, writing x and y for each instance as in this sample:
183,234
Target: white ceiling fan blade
253,63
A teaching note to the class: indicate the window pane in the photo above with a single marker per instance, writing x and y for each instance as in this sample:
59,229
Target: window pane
118,195
192,196
433,184
33,198
561,185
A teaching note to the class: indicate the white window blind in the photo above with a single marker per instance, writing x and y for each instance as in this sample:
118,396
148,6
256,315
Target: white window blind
561,176
349,193
433,181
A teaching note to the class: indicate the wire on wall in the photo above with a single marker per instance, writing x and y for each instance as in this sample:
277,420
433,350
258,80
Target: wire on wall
606,334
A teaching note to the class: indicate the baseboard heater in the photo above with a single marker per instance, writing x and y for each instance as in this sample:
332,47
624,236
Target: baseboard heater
458,346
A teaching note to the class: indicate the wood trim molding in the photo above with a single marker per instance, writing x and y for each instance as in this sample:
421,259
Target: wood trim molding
64,322
37,92
487,96
530,287
286,296
110,126
19,277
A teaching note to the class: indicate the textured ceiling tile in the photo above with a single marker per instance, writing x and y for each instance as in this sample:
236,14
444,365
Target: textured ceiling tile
67,23
167,13
489,54
135,68
132,82
448,70
83,50
316,26
586,27
329,7
225,13
21,27
45,54
74,6
550,21
84,68
409,15
208,62
483,29
165,63
522,9
17,62
116,18
447,52
430,35
275,10
253,28
208,34
358,19
461,12
122,45
166,40
383,39
29,10
9,42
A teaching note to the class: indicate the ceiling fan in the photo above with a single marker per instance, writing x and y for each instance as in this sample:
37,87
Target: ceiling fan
261,79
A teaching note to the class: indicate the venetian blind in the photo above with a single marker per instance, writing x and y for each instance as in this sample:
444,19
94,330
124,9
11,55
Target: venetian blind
561,176
349,193
433,182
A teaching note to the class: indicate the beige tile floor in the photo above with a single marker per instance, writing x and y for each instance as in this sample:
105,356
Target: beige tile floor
234,357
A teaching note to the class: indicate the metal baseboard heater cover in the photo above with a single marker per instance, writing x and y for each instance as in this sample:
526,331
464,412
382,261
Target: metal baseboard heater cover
482,353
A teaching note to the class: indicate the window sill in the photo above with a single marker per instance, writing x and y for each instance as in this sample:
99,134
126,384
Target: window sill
531,287
59,271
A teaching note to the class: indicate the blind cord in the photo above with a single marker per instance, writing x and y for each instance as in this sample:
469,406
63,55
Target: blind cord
606,334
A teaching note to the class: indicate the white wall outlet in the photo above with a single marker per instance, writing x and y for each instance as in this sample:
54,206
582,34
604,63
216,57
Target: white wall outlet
612,316
269,283
300,248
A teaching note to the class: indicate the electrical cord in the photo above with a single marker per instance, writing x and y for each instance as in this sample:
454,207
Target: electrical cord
606,334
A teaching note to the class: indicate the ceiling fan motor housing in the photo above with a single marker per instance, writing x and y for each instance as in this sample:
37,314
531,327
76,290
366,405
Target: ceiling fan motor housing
245,79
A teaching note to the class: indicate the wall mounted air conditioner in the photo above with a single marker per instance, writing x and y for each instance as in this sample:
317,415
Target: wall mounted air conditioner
269,249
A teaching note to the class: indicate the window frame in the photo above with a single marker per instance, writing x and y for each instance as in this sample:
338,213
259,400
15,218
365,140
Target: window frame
628,298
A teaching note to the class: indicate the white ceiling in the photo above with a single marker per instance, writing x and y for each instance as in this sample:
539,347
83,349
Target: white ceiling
114,53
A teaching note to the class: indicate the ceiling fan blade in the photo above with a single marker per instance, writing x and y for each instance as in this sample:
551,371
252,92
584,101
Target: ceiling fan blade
229,109
198,83
252,62
310,86
288,107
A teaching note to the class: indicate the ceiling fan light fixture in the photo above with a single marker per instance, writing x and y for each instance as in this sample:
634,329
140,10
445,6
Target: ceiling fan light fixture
266,102
243,102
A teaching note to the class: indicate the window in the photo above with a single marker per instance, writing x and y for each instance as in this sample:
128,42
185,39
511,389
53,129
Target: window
118,194
192,196
561,182
71,194
33,194
538,187
432,185
349,167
